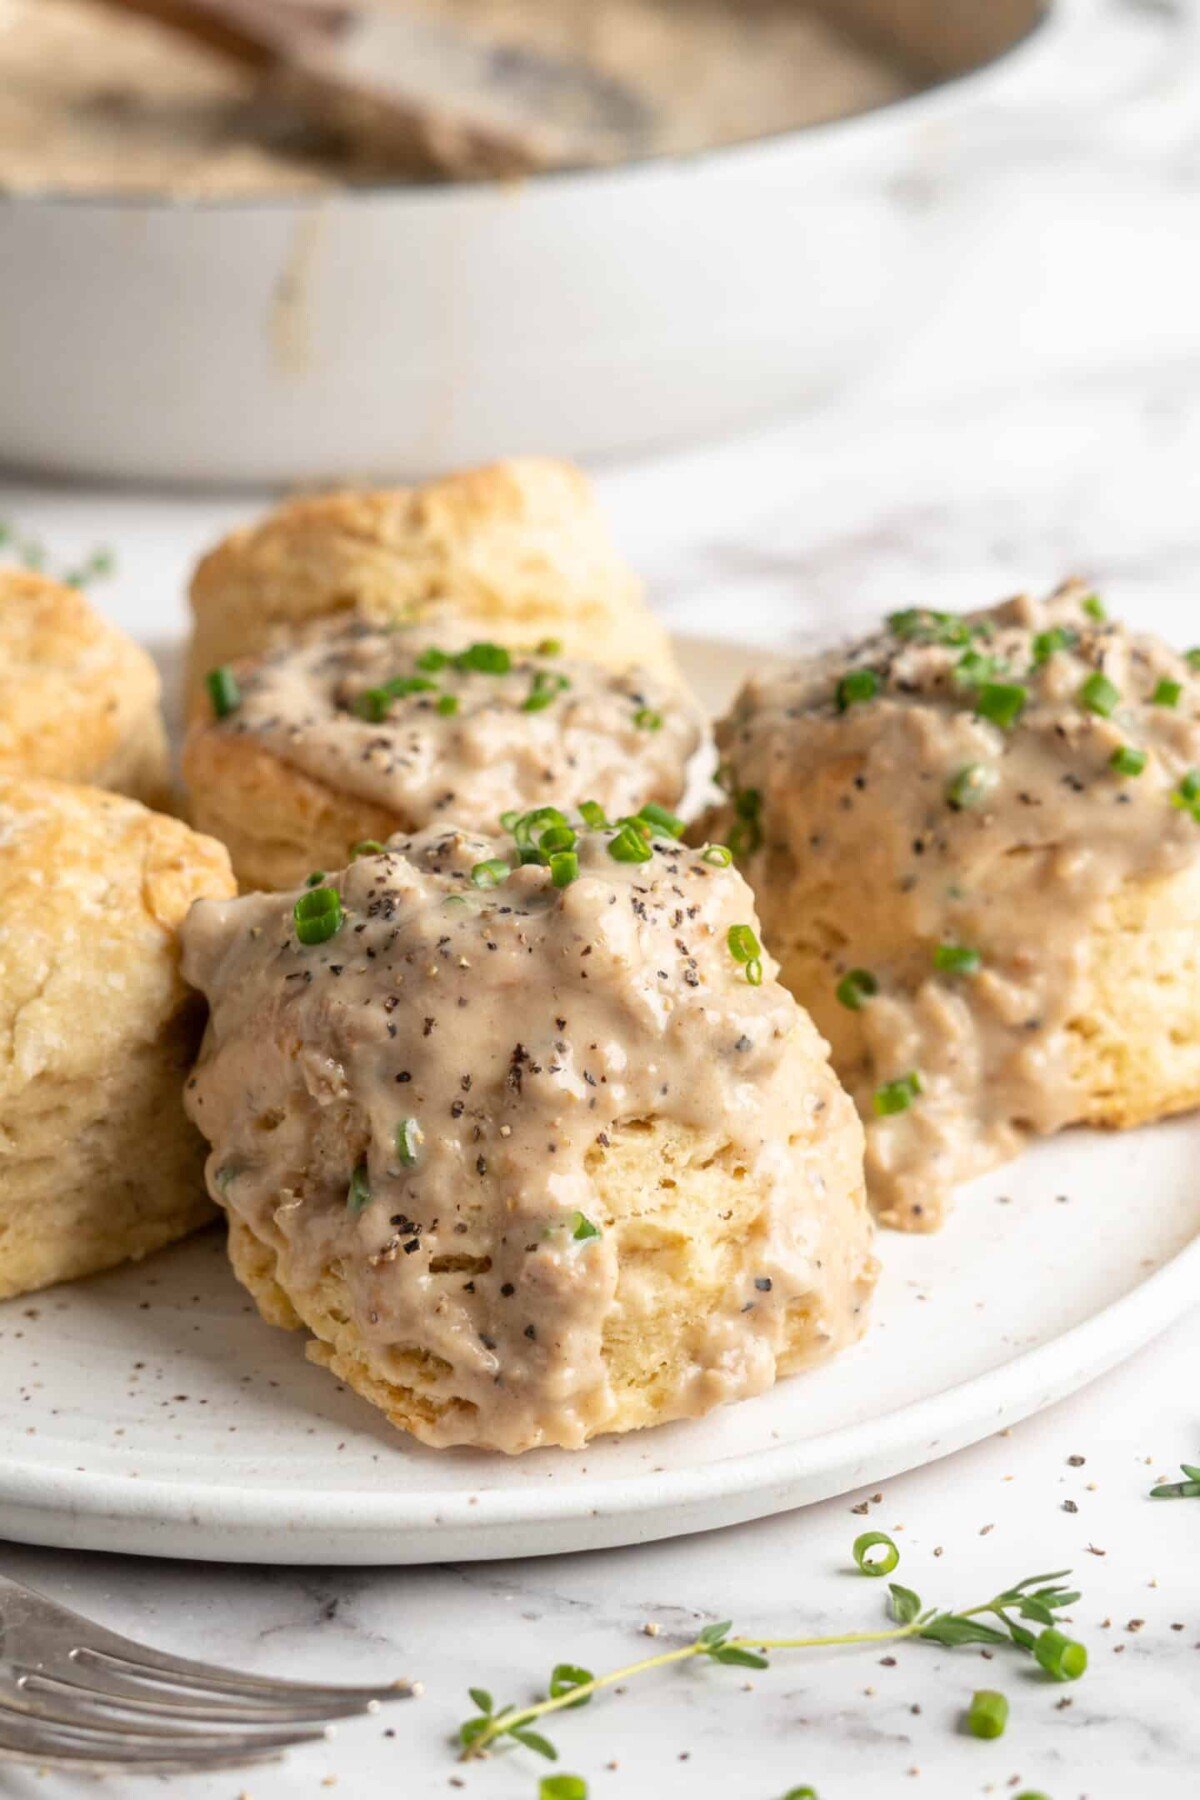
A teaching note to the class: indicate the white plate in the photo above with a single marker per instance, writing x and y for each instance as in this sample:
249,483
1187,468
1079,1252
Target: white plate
151,1411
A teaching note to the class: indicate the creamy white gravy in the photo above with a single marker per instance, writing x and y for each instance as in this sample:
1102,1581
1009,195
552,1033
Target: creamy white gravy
519,1030
876,830
618,739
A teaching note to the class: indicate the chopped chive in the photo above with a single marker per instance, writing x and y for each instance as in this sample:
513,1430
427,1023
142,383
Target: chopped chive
368,847
373,704
484,659
223,691
1060,1655
1192,658
1187,795
875,1565
582,1228
509,821
409,1138
1127,761
1059,637
855,987
491,873
562,1787
924,625
538,699
987,1714
1095,608
973,668
1167,693
564,868
315,879
970,786
447,705
746,835
358,1194
743,944
550,647
1099,695
646,719
317,914
557,837
593,815
664,820
432,660
629,846
754,971
956,959
897,1096
855,687
1001,702
719,855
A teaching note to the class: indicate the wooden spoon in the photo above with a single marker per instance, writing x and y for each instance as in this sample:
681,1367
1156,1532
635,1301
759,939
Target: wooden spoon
418,95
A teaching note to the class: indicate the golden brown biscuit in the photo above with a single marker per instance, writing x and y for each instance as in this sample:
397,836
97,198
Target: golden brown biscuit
318,754
97,1028
518,547
532,1161
79,701
975,843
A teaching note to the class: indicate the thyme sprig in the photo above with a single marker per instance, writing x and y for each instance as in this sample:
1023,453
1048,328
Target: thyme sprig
1004,1619
1187,1489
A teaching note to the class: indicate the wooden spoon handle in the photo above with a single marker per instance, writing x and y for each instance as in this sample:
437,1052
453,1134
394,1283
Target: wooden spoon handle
260,34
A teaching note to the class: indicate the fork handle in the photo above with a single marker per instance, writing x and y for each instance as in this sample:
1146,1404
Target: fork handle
260,34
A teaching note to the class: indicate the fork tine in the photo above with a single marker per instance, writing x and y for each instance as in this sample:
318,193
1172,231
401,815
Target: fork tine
29,1740
101,1726
142,1663
155,1704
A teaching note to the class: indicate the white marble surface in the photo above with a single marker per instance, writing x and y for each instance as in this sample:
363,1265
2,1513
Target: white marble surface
1044,417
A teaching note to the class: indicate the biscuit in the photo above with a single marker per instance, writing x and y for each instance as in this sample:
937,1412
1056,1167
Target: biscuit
98,1162
519,547
975,845
531,1163
78,700
318,755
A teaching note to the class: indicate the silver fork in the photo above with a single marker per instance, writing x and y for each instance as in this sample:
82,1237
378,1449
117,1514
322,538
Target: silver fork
75,1696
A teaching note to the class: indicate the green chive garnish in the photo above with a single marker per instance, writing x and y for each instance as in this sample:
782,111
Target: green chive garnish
745,948
491,873
555,838
897,1096
1187,795
746,835
987,1714
358,1194
875,1565
929,627
973,668
368,847
582,1228
718,855
855,687
409,1138
1127,761
1192,658
646,719
592,814
1001,702
564,868
315,879
509,821
373,704
970,785
317,914
664,821
629,846
1060,1655
1059,637
484,659
1167,693
1099,695
447,705
956,959
432,660
538,699
856,987
223,691
1094,607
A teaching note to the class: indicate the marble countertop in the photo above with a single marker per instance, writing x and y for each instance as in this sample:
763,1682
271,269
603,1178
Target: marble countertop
1043,418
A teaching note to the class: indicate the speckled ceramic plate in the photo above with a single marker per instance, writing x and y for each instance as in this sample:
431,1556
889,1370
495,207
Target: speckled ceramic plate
151,1411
